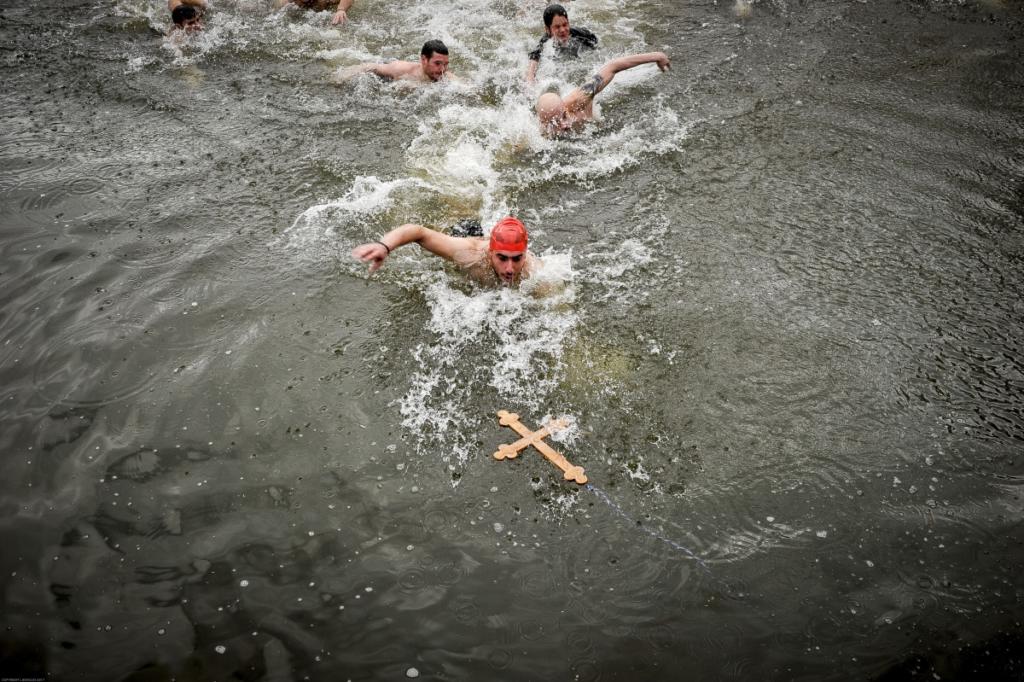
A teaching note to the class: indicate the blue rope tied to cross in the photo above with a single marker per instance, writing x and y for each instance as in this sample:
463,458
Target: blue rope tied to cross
572,472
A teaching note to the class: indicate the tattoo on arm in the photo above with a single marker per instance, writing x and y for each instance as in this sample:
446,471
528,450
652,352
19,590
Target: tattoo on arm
591,88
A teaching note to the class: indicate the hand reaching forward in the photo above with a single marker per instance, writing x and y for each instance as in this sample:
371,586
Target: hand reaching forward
373,253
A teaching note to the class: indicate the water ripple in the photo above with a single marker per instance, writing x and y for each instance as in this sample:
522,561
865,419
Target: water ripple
92,364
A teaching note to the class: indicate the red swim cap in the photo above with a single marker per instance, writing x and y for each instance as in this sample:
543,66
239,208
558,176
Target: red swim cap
508,235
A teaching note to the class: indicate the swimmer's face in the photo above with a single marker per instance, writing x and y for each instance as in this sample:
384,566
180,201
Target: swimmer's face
192,21
435,66
508,265
559,29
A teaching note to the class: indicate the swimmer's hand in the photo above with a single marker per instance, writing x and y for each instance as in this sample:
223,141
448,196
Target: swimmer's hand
373,253
339,18
663,62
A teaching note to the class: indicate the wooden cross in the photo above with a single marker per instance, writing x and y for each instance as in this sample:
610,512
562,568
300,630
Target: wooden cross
536,439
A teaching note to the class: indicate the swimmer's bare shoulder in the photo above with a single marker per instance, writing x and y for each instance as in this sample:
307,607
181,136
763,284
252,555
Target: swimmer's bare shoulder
470,256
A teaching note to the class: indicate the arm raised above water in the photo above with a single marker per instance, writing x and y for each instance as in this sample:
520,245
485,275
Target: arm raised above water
450,248
608,71
581,99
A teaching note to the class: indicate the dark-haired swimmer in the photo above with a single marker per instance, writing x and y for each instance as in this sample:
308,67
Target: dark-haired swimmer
502,259
432,66
341,7
567,41
187,14
560,115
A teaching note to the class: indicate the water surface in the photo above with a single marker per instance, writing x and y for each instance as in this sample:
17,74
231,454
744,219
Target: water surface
788,341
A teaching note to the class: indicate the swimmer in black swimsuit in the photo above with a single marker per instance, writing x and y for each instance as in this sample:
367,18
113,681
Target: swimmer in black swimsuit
559,115
568,42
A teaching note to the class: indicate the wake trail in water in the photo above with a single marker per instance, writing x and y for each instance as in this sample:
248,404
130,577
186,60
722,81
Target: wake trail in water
615,507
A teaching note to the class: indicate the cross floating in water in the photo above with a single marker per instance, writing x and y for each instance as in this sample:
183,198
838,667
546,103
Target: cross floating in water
536,439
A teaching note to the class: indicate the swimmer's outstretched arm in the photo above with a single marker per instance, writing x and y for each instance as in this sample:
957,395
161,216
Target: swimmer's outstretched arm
390,70
435,242
580,99
608,71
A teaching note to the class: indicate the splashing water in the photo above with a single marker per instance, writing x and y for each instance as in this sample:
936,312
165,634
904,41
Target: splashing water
504,339
475,150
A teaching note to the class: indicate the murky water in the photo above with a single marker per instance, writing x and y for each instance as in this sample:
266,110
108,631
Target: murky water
788,341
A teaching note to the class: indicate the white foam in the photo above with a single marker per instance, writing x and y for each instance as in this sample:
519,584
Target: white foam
567,435
477,144
464,151
505,337
606,270
136,64
324,223
561,505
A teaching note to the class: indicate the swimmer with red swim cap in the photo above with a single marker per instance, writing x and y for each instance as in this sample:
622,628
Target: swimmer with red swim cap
501,259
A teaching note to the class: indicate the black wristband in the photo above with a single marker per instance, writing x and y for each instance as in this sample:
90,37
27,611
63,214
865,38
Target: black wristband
384,245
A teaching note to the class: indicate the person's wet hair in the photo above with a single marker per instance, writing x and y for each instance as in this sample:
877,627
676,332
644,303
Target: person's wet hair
432,47
183,13
552,11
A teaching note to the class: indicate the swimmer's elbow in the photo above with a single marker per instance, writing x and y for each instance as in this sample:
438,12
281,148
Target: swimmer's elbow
411,233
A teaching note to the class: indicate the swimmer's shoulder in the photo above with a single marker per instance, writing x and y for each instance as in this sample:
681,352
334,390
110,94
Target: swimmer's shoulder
587,38
470,252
